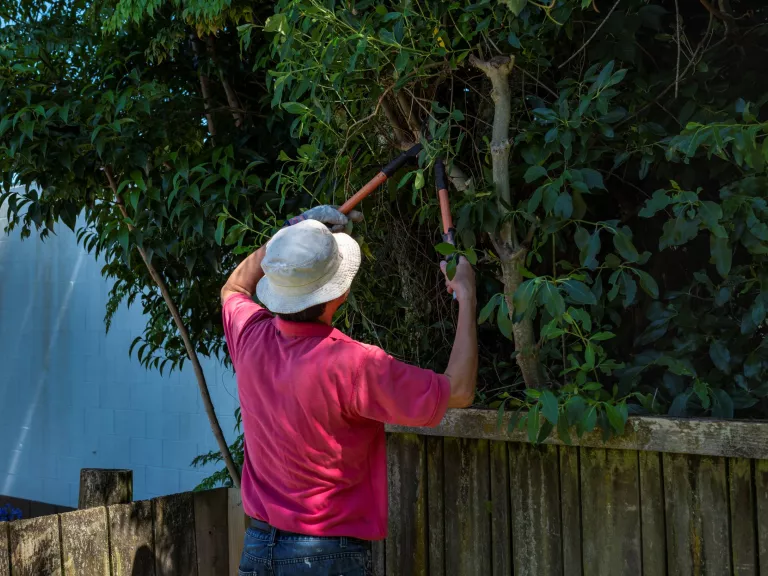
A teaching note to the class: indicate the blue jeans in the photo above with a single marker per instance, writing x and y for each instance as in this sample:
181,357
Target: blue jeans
276,553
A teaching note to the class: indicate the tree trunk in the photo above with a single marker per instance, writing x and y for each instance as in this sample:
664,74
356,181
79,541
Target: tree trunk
511,252
232,99
201,382
205,89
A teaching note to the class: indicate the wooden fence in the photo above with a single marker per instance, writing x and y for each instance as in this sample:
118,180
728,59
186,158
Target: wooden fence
670,497
185,534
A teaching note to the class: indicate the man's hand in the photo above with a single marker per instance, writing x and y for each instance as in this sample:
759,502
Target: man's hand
463,283
328,215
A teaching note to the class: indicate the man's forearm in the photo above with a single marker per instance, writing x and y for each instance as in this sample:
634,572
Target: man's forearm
245,277
462,365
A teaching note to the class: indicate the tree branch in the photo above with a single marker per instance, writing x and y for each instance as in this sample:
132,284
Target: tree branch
583,46
232,99
205,89
511,253
184,333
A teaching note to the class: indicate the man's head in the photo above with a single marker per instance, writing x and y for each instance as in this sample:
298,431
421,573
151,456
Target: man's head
307,272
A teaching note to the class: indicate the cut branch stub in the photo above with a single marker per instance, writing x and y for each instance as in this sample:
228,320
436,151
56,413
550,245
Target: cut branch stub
511,253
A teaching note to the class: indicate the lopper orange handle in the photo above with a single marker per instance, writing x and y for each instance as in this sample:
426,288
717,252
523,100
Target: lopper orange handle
358,197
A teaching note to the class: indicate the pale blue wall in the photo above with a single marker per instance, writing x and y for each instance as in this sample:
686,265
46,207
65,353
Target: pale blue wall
71,398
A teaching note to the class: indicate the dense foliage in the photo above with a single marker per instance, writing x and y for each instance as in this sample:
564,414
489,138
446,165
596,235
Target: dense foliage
611,181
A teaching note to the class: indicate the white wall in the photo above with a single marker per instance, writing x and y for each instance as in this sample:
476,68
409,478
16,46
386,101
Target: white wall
71,398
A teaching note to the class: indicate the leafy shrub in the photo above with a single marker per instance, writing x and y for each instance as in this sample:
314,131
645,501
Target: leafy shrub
608,166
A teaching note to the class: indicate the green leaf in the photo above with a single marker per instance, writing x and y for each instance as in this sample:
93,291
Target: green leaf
471,256
589,357
630,289
524,297
680,404
277,23
579,293
588,420
450,269
647,283
533,424
721,254
622,241
563,433
445,248
588,254
516,6
488,309
592,178
27,128
513,40
294,107
601,336
723,405
549,296
615,418
678,231
574,409
549,408
418,183
659,201
720,355
219,235
700,388
534,173
122,238
503,320
563,205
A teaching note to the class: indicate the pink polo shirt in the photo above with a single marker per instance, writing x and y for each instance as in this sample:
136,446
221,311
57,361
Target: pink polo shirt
314,403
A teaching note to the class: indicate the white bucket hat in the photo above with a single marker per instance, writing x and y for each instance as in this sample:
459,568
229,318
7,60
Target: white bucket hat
305,265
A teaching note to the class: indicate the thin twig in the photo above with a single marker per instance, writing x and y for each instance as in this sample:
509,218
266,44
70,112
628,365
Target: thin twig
677,28
692,62
538,82
583,46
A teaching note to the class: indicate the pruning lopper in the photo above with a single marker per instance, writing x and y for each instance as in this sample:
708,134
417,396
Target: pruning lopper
389,170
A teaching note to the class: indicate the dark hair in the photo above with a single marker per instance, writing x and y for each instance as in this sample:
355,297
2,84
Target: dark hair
311,314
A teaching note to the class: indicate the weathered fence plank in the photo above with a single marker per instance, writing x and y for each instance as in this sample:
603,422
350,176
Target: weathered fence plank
535,497
211,531
743,529
175,551
5,550
570,509
610,504
501,523
379,551
35,549
436,506
237,523
652,526
761,503
744,439
467,518
85,542
131,539
407,539
696,501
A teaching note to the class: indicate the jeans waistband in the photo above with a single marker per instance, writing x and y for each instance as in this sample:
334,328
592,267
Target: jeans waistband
266,527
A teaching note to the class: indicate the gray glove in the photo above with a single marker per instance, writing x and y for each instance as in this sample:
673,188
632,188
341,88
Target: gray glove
328,215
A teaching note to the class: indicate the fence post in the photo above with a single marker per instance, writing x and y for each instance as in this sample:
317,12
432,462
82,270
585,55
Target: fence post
103,487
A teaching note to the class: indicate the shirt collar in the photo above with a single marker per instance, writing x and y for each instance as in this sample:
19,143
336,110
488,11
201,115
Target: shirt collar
307,329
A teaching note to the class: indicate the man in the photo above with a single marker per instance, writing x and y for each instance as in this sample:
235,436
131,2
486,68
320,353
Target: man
314,401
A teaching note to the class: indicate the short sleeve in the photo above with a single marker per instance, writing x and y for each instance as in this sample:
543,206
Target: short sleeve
238,311
394,392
